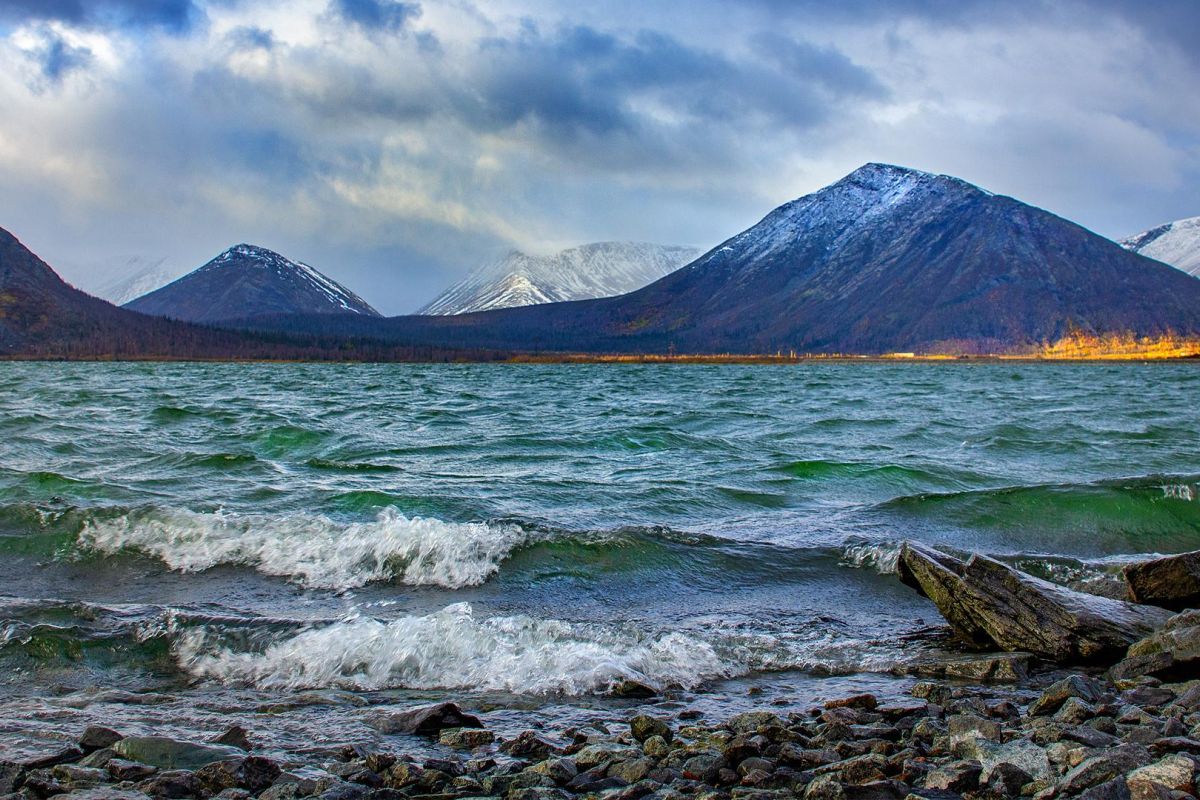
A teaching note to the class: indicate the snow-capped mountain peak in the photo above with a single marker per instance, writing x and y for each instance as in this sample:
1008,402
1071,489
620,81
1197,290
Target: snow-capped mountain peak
1176,243
601,269
248,281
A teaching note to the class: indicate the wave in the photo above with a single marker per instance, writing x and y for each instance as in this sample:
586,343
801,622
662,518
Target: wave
1105,515
455,649
313,549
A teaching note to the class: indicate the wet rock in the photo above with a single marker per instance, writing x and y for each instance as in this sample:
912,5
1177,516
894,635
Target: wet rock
42,783
235,736
1171,582
125,770
173,783
751,721
76,777
422,721
527,744
632,688
865,701
1021,753
631,771
165,753
12,775
984,668
106,793
988,603
1059,692
826,787
656,747
1175,649
97,737
1074,712
1160,663
704,767
466,738
1176,744
559,770
251,772
65,755
643,726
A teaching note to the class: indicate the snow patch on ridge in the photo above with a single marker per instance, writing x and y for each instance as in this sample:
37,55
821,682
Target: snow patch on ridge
1176,243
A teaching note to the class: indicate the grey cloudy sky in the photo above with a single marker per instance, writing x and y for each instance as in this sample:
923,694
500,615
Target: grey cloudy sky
396,144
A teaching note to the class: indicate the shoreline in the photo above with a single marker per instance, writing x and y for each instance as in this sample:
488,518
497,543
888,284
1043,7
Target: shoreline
1052,734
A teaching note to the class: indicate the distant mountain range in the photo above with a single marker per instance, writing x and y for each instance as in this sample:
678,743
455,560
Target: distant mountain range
603,269
247,281
887,259
1176,243
140,277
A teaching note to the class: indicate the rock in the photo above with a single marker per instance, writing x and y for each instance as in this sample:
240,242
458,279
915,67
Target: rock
235,736
704,767
1176,646
1074,712
66,755
632,688
1059,692
165,753
105,793
253,773
423,720
466,738
1175,772
1171,582
1114,789
988,603
825,787
1006,779
97,737
528,745
559,770
751,721
631,771
864,701
1159,663
123,770
172,783
958,776
76,777
1021,753
1114,763
643,726
966,731
656,747
12,775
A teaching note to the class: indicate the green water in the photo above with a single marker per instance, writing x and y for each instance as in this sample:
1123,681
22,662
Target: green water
225,535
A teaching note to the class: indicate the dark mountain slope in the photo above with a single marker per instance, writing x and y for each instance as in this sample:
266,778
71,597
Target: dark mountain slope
887,259
41,316
248,281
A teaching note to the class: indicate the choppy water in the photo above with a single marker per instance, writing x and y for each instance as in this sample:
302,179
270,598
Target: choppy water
186,545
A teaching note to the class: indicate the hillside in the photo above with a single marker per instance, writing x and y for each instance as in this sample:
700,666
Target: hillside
1176,243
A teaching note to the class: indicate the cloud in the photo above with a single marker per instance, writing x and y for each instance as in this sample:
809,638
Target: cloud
57,58
377,15
176,16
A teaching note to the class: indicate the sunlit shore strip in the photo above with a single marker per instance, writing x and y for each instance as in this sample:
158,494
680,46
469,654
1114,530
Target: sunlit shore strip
1077,347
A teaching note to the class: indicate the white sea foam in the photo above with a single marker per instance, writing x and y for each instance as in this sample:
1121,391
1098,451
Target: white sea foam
453,649
313,549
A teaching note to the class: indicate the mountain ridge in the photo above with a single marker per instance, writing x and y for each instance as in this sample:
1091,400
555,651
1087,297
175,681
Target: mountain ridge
598,269
246,281
1176,243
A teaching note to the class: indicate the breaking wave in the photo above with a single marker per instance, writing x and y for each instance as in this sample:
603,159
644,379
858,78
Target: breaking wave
313,549
455,649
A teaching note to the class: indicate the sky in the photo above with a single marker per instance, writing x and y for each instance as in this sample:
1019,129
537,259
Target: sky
397,145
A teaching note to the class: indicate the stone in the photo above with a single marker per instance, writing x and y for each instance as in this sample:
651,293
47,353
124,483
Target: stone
703,767
1021,753
422,721
235,736
253,773
466,738
989,604
1059,692
631,771
864,701
632,688
97,737
76,777
106,793
1176,645
825,787
166,753
172,783
656,747
1171,582
957,776
1074,712
558,770
979,668
1113,763
65,755
1006,779
643,726
527,744
123,770
1174,771
12,775
751,721
1160,663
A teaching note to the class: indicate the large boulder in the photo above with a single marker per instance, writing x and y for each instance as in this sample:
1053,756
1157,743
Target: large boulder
1171,652
990,605
1171,582
423,720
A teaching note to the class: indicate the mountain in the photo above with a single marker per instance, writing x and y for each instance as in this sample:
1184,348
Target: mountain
42,316
247,281
1176,243
139,277
887,259
603,269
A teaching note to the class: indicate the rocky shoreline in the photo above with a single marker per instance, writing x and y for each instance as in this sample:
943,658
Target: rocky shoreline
1080,696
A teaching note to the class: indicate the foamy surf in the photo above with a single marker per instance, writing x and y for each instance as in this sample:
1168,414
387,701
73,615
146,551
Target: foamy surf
456,649
313,549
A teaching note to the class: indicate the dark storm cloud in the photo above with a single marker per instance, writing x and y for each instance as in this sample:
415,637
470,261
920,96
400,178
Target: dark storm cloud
376,15
176,16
